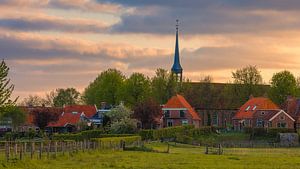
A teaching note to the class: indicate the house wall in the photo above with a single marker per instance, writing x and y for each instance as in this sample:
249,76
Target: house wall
217,117
177,120
287,120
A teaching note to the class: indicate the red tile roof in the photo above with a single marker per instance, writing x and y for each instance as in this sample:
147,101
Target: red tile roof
179,101
254,104
71,115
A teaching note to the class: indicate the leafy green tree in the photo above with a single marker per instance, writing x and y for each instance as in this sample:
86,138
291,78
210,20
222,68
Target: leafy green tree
121,121
283,84
69,96
164,86
6,88
249,75
13,113
136,89
105,88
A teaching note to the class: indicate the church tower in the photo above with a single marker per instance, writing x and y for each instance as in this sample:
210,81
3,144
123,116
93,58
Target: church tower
176,68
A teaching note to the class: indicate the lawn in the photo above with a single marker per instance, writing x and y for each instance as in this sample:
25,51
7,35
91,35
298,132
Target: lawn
180,157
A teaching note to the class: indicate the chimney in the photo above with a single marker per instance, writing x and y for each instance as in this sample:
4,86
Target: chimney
251,97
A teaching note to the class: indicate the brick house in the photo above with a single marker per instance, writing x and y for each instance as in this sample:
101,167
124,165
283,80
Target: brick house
177,111
276,118
71,118
216,117
292,107
244,117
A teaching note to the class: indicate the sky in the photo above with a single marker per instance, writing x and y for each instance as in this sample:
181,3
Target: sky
51,44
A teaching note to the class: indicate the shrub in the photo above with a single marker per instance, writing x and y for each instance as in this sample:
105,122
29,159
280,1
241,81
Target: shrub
146,134
117,140
259,132
248,130
273,132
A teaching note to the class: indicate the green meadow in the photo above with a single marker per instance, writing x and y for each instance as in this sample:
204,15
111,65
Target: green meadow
179,157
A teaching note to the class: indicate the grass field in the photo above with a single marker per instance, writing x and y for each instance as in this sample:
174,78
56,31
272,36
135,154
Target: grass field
180,157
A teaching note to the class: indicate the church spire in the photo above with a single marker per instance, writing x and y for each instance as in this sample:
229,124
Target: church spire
176,68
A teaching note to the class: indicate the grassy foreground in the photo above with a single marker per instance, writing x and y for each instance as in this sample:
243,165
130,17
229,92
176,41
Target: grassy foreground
180,157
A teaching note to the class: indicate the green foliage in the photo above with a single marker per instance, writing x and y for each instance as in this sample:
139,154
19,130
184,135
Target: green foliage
283,84
124,126
13,113
266,132
6,88
249,75
105,88
86,135
69,96
135,89
117,140
164,86
118,113
175,132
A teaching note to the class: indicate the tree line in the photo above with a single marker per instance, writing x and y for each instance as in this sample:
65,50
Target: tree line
144,95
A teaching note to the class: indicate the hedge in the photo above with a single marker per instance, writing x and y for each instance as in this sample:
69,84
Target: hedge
117,140
175,132
86,135
267,132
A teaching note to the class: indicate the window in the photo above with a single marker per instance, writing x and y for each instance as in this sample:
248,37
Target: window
169,123
74,112
247,108
184,122
259,123
182,113
282,117
270,124
281,125
215,119
254,107
262,113
167,113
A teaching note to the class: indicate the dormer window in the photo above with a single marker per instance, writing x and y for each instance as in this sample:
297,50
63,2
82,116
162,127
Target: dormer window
254,108
74,112
248,108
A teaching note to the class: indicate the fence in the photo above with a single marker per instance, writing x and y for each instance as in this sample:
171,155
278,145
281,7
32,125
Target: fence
50,149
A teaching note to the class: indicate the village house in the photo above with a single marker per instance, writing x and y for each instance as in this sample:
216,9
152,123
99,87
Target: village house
31,113
292,107
276,118
177,111
73,118
244,117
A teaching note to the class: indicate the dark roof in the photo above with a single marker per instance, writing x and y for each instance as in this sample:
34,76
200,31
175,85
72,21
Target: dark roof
176,68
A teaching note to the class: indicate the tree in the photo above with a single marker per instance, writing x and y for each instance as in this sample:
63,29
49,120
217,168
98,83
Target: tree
121,121
164,86
13,113
136,89
246,82
147,112
283,84
43,116
69,96
33,100
249,75
6,88
104,88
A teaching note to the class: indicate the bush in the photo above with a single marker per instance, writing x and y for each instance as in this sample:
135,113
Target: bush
259,132
248,130
273,132
117,140
174,132
86,135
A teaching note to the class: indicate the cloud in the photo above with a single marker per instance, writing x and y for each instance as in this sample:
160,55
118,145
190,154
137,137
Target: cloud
208,17
82,5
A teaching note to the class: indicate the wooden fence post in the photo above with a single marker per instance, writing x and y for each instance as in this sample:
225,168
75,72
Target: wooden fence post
21,151
48,149
32,150
7,150
16,149
206,149
168,150
41,150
